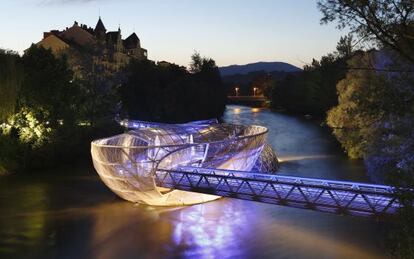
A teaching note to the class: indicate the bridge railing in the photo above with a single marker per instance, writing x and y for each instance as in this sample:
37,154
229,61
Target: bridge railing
339,197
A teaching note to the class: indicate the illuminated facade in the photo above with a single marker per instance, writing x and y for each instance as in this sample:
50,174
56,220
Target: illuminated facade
127,163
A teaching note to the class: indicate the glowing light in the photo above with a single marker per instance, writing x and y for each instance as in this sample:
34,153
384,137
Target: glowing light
237,91
254,91
299,158
236,110
84,123
127,163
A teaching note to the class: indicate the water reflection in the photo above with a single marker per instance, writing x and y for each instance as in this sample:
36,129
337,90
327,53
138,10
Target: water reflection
282,158
236,110
71,214
209,230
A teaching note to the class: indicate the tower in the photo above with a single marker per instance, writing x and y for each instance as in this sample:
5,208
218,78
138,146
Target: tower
100,29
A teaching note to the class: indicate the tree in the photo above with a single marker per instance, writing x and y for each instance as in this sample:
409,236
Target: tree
374,117
48,85
211,92
314,90
97,99
47,127
265,84
11,74
196,63
390,23
147,94
44,108
365,97
345,48
169,93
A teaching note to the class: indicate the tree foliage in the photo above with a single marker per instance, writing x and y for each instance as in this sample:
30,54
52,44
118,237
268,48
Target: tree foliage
53,112
169,93
48,124
47,85
374,120
314,90
11,74
364,98
345,46
97,96
387,22
375,114
264,83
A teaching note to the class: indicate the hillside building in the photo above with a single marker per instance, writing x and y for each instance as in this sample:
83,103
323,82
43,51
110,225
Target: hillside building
108,49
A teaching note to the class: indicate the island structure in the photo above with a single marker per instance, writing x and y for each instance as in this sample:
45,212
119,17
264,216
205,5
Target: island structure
127,163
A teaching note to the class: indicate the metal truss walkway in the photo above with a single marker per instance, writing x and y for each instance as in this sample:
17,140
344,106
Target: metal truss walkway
341,197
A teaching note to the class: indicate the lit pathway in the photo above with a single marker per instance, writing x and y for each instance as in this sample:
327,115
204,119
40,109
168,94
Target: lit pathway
341,197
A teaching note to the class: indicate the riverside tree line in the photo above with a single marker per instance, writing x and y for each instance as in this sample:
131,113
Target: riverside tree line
364,92
49,113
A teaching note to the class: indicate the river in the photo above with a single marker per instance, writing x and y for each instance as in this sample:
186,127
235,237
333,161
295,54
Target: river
70,214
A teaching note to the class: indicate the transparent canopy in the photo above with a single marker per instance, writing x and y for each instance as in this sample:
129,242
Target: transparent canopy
127,162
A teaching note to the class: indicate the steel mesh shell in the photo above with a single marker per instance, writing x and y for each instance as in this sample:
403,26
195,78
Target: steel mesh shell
127,163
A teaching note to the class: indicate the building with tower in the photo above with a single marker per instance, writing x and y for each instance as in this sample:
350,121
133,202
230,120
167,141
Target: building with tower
107,48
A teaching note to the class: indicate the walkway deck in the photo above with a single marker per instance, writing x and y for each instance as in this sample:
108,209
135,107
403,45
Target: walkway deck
339,197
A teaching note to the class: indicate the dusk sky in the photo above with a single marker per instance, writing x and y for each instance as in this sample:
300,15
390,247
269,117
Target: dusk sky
229,31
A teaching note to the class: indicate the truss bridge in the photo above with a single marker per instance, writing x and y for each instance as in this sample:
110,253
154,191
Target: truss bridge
341,197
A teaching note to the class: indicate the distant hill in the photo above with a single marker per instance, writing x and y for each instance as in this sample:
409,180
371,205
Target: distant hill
258,66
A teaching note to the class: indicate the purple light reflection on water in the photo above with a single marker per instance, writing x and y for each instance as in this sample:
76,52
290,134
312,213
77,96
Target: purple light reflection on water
210,231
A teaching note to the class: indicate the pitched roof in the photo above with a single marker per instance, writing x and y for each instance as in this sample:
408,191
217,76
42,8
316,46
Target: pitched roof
54,43
78,35
132,41
100,27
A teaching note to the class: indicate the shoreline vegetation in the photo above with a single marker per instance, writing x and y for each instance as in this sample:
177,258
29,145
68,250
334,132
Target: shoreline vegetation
49,114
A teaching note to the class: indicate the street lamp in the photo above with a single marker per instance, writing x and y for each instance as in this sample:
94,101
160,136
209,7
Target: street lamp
254,91
237,91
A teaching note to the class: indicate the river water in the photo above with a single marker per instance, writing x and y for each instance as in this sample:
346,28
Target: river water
70,214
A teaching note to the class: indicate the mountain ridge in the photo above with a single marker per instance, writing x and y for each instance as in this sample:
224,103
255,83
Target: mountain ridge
258,66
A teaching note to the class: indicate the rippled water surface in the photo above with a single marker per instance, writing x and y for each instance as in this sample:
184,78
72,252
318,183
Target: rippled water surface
71,214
